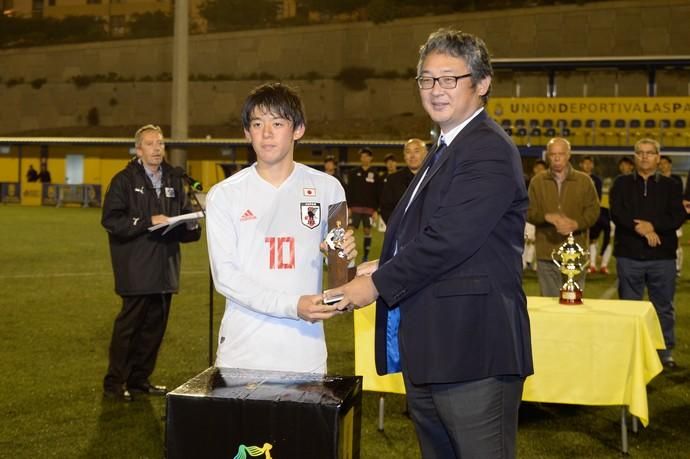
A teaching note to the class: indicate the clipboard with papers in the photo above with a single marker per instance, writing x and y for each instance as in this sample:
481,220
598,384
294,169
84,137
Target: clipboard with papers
174,221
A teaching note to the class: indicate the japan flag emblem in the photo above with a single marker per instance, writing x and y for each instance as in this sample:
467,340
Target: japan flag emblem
310,213
309,192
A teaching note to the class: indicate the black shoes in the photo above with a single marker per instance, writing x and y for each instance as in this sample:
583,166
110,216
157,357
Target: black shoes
119,394
148,389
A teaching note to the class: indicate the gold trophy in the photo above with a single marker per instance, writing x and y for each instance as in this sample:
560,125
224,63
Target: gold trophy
571,259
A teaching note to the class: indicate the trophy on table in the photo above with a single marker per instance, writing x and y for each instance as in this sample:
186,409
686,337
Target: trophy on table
571,259
340,270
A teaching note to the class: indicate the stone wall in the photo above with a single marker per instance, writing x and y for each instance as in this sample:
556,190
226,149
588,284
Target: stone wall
312,57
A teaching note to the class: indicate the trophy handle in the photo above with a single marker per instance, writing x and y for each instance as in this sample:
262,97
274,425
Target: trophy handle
553,258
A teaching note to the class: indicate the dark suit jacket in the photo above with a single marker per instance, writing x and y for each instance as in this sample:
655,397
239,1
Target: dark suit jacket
457,275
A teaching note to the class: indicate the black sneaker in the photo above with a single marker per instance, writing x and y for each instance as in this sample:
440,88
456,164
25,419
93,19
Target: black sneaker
119,394
147,388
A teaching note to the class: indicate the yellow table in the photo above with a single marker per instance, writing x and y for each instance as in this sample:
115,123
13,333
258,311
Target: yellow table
602,352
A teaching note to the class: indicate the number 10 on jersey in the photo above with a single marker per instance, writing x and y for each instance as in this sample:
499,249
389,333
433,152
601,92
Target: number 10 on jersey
281,252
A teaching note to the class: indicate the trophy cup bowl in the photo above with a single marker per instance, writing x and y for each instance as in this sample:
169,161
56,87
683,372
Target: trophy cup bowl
571,260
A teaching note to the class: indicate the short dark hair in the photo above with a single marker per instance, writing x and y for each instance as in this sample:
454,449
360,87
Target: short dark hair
329,159
278,99
365,151
540,161
625,159
389,157
667,158
464,45
587,158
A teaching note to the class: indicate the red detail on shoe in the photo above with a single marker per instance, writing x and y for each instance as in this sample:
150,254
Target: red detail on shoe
604,270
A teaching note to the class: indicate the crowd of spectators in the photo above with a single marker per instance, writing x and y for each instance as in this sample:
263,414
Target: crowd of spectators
639,222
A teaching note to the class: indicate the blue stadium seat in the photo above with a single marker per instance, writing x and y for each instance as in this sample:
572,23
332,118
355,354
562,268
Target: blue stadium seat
604,133
682,136
650,129
620,131
576,134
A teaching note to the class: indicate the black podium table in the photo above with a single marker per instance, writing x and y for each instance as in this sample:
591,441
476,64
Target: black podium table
234,413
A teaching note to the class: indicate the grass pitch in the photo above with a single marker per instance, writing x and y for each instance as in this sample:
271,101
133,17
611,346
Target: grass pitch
57,307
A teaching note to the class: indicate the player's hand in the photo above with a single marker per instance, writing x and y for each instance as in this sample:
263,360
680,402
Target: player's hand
349,245
311,308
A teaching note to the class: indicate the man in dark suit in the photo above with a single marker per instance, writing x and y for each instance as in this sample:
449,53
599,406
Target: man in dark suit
451,312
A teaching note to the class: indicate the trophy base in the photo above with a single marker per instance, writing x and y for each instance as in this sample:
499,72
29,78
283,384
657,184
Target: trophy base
570,297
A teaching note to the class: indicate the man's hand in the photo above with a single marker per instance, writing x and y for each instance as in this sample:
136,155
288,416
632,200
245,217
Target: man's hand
357,293
158,219
367,268
563,224
311,309
643,227
653,239
566,226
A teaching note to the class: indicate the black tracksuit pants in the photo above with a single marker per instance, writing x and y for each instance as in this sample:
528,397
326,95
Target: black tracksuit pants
137,335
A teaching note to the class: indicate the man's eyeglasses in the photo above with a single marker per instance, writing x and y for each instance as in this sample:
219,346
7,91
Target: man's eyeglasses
446,82
646,153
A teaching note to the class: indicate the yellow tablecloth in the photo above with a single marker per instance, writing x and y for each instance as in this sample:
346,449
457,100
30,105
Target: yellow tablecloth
600,353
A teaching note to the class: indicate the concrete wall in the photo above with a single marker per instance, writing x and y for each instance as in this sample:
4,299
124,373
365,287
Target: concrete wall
289,54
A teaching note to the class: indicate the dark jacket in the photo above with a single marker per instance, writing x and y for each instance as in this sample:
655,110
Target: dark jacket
456,278
145,262
662,206
393,189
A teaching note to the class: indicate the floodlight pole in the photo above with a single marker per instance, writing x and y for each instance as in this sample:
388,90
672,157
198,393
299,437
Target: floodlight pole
179,119
180,82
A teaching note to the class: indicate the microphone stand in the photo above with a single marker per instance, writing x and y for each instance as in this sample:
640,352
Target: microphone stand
210,291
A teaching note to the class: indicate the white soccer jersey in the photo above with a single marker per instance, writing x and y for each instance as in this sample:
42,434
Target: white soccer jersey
263,243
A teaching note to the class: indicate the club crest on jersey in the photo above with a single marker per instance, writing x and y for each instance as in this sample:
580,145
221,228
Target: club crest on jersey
310,213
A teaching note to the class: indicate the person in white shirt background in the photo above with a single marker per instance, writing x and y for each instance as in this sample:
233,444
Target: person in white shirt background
265,227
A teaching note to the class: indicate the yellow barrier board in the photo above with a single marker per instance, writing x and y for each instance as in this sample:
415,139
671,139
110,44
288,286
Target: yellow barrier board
597,108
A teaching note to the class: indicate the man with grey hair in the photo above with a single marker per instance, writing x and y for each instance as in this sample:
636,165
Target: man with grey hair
146,264
451,312
647,209
561,201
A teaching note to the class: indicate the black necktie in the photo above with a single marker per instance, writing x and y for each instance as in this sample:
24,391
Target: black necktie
437,154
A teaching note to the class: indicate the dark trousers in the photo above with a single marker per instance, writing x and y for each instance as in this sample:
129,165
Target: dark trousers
137,335
660,278
474,419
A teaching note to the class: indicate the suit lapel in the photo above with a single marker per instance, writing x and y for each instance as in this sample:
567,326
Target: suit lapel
450,150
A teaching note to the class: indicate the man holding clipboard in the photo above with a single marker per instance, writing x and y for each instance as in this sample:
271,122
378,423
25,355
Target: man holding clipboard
146,263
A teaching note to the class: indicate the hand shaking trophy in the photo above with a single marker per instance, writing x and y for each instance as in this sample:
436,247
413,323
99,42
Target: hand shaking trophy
571,259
